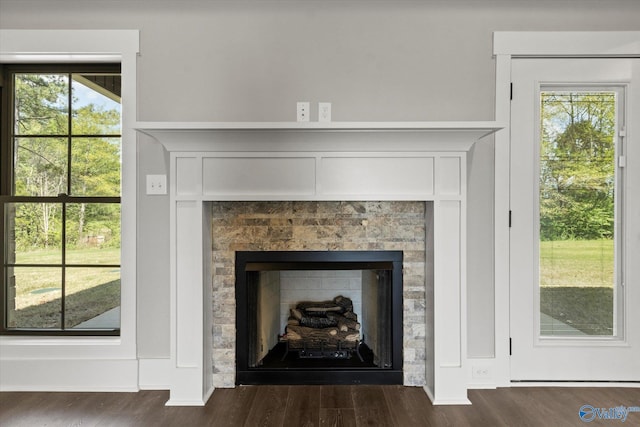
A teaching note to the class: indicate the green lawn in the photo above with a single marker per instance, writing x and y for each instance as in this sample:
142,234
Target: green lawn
90,291
576,263
576,283
74,256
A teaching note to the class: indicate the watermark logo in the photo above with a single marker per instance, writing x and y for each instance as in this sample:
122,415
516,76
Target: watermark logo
589,413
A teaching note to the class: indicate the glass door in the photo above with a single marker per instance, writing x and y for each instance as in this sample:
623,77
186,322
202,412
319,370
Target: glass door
568,147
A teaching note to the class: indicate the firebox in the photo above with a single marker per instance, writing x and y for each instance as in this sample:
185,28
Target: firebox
319,317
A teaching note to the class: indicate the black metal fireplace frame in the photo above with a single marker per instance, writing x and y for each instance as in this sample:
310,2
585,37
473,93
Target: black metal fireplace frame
319,260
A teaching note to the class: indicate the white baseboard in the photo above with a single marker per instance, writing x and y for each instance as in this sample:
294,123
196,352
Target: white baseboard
205,398
90,375
155,374
575,384
429,393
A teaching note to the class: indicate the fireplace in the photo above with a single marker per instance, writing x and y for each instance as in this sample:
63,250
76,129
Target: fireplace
314,229
348,330
228,164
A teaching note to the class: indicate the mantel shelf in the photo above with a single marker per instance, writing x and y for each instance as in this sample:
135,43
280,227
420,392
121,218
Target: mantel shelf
488,126
203,136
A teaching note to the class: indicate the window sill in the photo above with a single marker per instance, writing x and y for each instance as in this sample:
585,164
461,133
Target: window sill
23,340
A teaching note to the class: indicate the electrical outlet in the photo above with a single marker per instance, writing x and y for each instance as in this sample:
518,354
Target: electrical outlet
324,111
303,111
481,372
156,184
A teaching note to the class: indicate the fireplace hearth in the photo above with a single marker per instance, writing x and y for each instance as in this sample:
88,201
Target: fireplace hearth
319,342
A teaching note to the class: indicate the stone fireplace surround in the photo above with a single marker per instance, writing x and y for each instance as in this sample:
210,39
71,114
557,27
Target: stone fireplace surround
321,226
346,166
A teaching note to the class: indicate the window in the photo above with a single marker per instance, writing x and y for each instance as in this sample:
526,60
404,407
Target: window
60,197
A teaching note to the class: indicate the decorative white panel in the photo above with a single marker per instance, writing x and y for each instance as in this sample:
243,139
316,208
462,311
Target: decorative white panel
448,240
187,176
449,176
258,176
380,176
189,275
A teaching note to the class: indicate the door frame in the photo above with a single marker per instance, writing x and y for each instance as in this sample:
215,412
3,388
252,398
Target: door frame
508,45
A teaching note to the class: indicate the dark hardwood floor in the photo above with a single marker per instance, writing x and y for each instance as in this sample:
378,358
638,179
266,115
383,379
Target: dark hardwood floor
306,406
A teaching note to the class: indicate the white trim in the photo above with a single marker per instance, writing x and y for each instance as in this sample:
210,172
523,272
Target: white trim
576,384
154,374
567,43
501,371
313,136
359,126
63,45
507,45
71,374
83,363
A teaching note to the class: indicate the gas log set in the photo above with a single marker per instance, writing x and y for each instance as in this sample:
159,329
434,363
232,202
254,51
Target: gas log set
323,329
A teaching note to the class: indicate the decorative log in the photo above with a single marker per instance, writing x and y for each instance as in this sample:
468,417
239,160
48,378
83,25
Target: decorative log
344,302
312,333
318,322
325,324
295,313
344,322
351,315
321,306
352,337
301,336
292,335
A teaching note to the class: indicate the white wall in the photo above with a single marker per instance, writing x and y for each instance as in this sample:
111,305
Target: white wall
211,60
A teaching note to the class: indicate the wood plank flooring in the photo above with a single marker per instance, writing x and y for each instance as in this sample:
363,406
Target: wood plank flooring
312,406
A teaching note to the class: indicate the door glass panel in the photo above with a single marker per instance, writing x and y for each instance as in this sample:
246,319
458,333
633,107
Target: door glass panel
577,212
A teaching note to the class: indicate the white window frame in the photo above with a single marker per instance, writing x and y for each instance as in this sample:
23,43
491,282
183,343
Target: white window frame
83,363
506,46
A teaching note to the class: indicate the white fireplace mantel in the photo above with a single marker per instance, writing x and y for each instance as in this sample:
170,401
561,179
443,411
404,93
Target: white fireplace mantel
335,161
434,136
484,128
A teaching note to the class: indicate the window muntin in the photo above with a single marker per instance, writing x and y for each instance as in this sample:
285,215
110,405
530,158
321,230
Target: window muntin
61,200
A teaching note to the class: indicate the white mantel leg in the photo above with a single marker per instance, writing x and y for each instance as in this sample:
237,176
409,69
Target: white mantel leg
189,384
450,375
